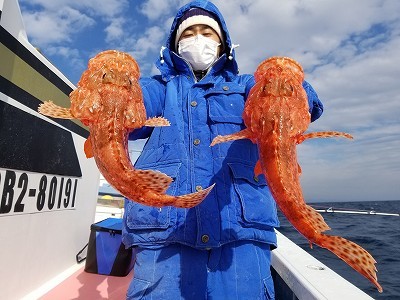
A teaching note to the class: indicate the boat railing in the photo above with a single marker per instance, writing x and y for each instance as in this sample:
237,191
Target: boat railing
299,275
332,209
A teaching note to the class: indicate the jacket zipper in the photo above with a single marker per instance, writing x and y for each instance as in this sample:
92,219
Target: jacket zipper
191,69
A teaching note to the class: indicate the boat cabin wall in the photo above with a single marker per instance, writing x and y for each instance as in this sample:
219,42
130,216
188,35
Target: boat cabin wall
48,188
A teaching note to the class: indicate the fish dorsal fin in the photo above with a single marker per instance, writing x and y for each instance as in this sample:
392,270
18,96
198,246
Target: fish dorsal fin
154,180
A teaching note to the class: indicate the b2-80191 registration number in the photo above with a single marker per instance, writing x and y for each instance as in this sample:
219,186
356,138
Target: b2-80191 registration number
25,193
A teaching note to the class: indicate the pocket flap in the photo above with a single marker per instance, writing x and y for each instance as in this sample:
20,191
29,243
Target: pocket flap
226,103
227,88
171,169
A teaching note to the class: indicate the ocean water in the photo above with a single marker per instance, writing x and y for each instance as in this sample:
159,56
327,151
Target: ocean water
379,235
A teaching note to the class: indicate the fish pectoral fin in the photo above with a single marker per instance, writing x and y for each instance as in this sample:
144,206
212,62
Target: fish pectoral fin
258,169
87,147
157,122
323,134
48,108
154,180
243,134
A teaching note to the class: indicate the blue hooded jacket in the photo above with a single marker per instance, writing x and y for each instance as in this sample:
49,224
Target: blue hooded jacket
240,207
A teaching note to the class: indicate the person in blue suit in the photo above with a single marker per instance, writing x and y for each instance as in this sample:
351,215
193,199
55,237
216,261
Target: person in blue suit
220,249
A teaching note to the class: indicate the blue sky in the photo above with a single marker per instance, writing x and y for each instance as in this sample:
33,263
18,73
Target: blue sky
349,49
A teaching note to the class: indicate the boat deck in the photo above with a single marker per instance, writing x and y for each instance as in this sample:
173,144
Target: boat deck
297,275
83,285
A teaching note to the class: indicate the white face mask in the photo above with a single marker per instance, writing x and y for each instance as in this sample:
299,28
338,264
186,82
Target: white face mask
199,51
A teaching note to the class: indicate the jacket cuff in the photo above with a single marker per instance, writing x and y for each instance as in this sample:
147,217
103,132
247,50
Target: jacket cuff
315,105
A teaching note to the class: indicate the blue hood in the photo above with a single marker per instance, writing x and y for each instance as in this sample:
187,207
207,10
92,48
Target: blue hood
170,64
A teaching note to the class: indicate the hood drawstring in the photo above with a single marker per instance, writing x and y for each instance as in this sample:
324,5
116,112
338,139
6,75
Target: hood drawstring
230,52
161,54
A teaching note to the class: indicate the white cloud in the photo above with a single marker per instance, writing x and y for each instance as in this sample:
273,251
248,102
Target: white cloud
55,27
57,21
150,41
115,30
107,8
156,9
69,54
297,28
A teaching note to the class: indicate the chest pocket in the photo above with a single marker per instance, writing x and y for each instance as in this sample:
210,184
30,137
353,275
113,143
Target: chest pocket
145,217
226,103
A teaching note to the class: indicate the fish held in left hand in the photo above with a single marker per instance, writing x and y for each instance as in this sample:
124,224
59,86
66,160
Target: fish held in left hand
276,115
109,101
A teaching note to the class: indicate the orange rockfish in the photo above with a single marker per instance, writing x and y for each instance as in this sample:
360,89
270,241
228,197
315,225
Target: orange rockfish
276,115
109,101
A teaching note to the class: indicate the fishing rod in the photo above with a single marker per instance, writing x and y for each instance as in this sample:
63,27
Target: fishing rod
350,211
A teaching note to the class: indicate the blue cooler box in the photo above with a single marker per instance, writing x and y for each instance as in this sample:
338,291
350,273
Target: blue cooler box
106,254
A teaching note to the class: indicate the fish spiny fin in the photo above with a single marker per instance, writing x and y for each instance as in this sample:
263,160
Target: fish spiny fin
191,200
87,147
243,134
323,134
354,255
154,180
157,122
258,169
48,108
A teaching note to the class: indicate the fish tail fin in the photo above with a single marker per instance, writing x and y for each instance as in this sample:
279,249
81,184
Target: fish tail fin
157,122
354,255
191,200
323,134
243,134
48,108
154,180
